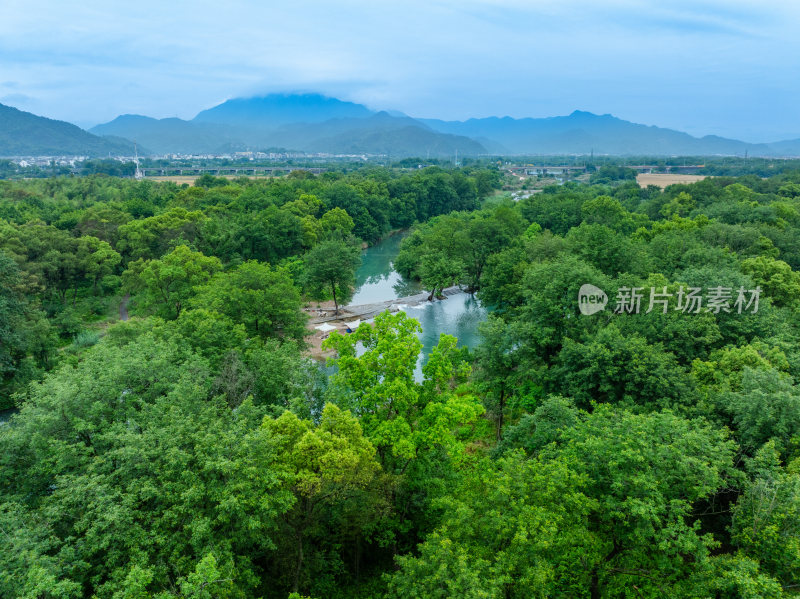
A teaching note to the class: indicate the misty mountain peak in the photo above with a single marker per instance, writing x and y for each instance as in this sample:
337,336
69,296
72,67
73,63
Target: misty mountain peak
279,109
586,115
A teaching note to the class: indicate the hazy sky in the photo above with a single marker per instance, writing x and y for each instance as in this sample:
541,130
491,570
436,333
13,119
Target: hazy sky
703,66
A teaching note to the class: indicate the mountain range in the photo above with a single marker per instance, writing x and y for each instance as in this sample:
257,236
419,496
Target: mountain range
583,132
25,134
316,123
259,128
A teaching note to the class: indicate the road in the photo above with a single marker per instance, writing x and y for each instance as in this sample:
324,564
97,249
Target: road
123,307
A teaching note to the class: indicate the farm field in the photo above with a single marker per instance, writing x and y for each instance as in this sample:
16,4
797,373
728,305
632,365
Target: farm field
663,180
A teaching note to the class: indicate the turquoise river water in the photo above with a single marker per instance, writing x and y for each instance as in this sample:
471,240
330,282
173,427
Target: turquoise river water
377,280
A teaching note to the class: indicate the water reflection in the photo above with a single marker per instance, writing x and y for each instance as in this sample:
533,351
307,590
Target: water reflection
404,287
376,279
458,315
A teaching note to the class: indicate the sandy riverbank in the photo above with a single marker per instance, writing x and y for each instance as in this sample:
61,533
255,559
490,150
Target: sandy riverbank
324,312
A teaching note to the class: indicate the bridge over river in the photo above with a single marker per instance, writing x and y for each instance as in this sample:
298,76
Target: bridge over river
555,169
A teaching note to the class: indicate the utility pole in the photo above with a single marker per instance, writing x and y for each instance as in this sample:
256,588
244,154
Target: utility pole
138,175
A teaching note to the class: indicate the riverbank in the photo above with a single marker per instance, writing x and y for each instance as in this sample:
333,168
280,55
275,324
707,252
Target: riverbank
323,313
380,287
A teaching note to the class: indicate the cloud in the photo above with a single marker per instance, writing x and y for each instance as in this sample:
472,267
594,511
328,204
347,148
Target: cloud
17,100
695,64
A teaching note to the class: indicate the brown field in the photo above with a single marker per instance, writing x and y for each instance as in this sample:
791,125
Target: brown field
663,180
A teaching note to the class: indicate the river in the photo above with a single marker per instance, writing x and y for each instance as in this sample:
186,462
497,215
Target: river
376,280
5,415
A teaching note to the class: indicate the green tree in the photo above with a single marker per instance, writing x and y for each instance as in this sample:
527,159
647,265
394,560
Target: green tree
143,469
151,237
98,259
681,205
402,417
545,425
12,316
438,272
102,221
488,233
496,364
613,368
331,267
608,251
336,223
646,473
284,377
550,312
262,298
604,509
501,283
608,212
776,278
765,408
330,466
766,518
166,285
509,529
731,576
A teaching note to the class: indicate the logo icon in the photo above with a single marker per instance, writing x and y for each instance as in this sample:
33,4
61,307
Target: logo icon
591,299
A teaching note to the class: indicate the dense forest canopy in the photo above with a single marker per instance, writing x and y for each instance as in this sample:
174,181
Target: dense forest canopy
196,451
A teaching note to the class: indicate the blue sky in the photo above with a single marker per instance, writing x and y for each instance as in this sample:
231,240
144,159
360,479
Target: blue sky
705,66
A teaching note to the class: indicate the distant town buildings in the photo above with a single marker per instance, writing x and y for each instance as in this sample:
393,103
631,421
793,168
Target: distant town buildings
46,161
